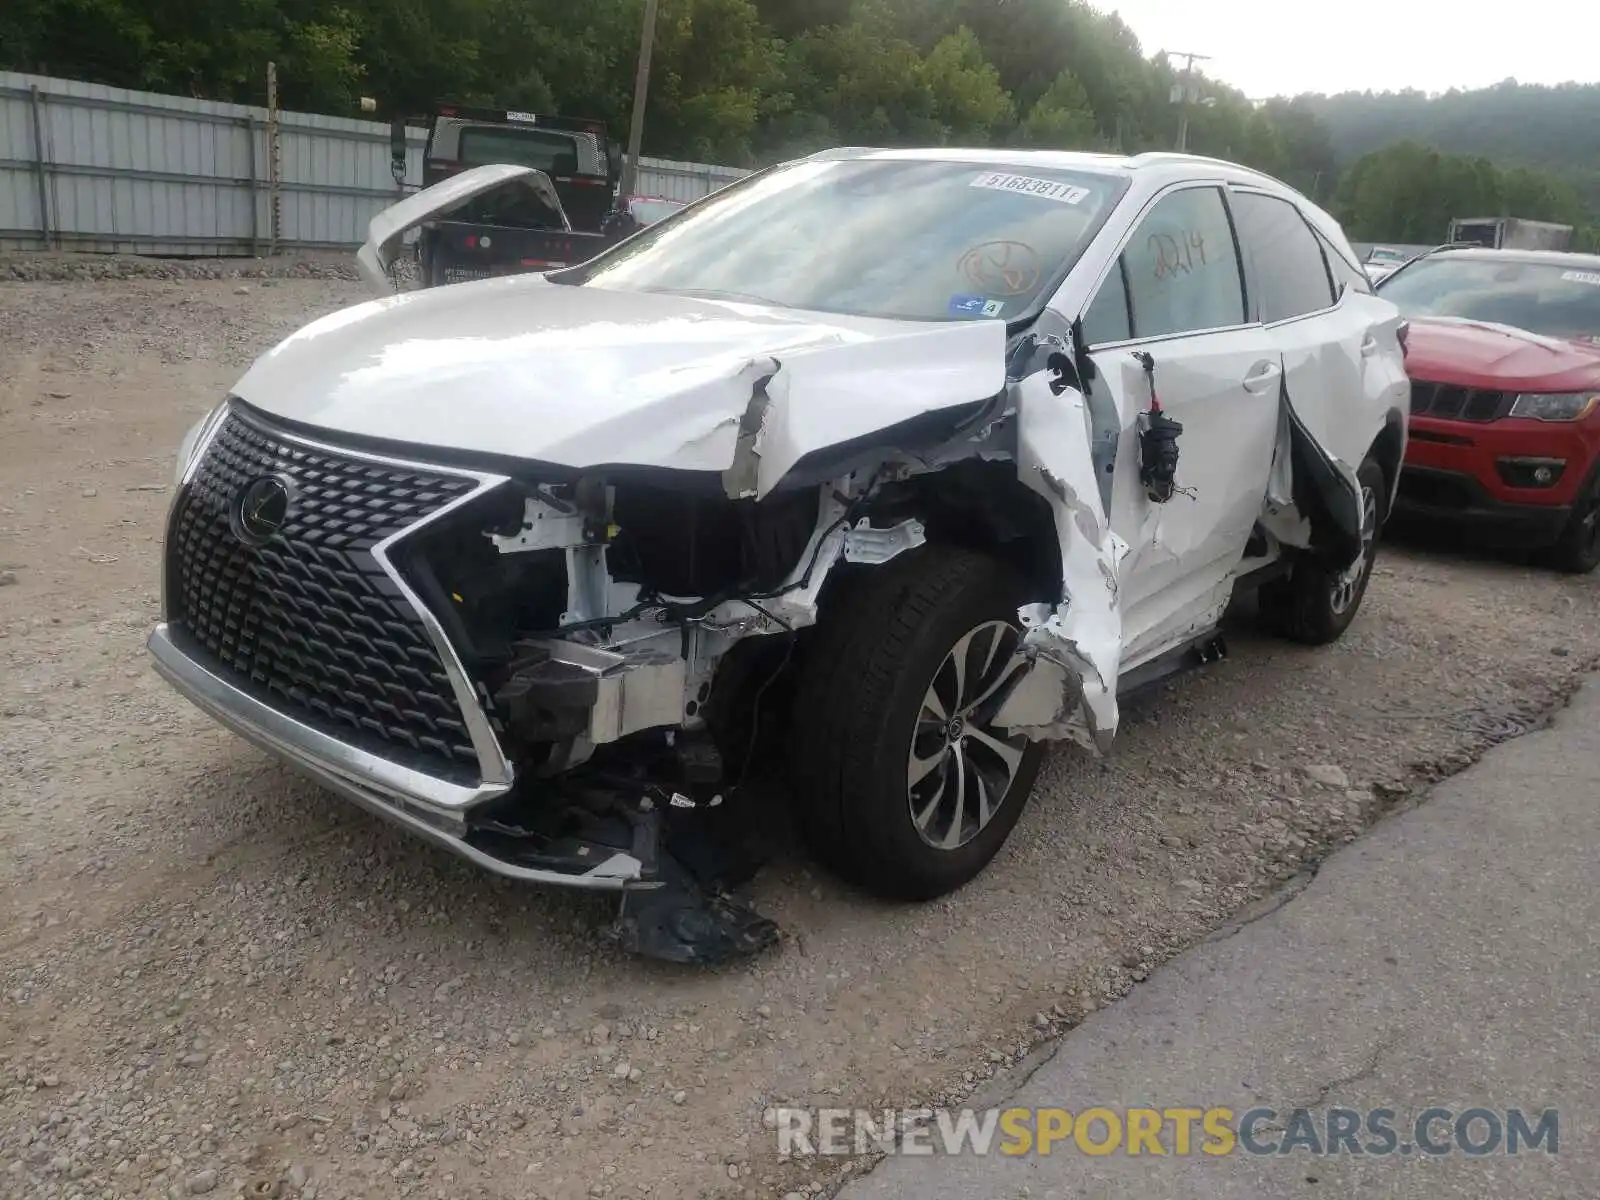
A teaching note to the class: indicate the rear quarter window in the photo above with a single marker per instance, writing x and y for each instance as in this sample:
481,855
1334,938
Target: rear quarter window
1343,272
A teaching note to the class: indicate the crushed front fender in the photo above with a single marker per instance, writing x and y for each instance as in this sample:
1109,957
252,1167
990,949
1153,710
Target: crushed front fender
1074,647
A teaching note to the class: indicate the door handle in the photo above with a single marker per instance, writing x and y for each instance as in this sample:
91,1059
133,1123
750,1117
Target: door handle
1261,376
1369,346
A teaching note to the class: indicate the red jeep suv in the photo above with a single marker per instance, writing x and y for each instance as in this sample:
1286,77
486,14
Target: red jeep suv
1504,358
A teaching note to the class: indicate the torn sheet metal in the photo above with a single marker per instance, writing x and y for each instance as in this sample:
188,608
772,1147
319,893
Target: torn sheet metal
1338,386
1279,516
825,396
1322,488
1076,648
387,231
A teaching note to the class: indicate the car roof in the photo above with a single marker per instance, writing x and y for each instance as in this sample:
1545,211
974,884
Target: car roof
1553,258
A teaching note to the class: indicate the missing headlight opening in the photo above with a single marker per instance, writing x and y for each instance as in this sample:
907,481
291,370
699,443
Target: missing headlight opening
591,617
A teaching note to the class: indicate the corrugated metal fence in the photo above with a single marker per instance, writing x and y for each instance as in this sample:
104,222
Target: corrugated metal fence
88,167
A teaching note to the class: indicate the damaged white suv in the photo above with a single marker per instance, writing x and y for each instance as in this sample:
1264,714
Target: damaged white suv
882,467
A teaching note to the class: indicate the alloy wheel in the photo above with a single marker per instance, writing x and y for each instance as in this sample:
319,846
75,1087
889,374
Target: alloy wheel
961,767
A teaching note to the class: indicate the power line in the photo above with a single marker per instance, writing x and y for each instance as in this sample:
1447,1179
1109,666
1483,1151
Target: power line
1185,92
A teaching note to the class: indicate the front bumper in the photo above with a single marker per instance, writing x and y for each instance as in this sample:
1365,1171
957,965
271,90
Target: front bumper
418,803
1456,473
1458,499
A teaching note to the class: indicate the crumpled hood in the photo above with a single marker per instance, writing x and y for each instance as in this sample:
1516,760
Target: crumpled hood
584,376
1478,354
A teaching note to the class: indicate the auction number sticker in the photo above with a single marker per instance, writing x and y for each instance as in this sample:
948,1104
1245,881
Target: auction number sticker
1027,185
1589,277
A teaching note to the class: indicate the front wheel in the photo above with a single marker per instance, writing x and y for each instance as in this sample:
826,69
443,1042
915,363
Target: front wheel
904,785
1577,550
1317,603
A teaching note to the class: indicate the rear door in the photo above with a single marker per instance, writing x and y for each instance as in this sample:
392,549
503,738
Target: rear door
1342,361
1176,292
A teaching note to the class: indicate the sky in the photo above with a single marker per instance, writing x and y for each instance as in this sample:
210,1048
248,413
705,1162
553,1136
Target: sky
1284,47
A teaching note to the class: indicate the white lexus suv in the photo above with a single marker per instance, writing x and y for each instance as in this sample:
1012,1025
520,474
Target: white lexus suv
868,475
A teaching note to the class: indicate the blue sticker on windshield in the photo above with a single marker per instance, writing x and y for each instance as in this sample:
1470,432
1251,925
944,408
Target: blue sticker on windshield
975,306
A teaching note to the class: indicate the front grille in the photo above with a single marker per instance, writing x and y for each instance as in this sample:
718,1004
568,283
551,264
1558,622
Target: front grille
308,621
1458,403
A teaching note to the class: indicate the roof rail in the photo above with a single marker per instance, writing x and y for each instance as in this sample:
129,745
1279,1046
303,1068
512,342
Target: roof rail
1155,156
1150,156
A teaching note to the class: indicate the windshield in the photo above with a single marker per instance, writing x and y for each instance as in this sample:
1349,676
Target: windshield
1551,299
915,240
553,153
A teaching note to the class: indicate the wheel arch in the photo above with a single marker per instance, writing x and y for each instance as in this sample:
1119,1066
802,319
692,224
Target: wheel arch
981,506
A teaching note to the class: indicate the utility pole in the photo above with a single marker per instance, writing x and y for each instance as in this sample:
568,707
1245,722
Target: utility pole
1183,94
274,163
641,90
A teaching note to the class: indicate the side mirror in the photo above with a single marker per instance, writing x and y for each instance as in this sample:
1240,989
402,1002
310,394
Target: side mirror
397,150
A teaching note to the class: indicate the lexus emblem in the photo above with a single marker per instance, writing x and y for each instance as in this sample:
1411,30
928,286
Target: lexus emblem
260,509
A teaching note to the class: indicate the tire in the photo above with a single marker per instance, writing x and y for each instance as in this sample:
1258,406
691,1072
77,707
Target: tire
1316,603
861,712
1577,550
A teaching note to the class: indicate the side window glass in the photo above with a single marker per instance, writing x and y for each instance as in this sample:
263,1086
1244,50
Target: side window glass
1290,269
1343,273
1182,267
1107,317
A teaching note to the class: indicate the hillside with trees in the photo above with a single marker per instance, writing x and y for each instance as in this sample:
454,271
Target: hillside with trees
1550,129
750,81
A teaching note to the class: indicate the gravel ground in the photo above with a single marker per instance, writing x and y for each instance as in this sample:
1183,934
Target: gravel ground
216,980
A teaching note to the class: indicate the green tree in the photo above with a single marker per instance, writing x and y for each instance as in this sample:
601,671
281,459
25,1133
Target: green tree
1310,164
965,88
1409,192
750,81
320,57
1061,119
714,62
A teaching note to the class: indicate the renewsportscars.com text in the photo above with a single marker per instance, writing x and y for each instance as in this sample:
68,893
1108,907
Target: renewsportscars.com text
1177,1131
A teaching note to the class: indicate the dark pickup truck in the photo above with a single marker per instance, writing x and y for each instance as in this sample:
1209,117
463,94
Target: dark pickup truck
509,231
